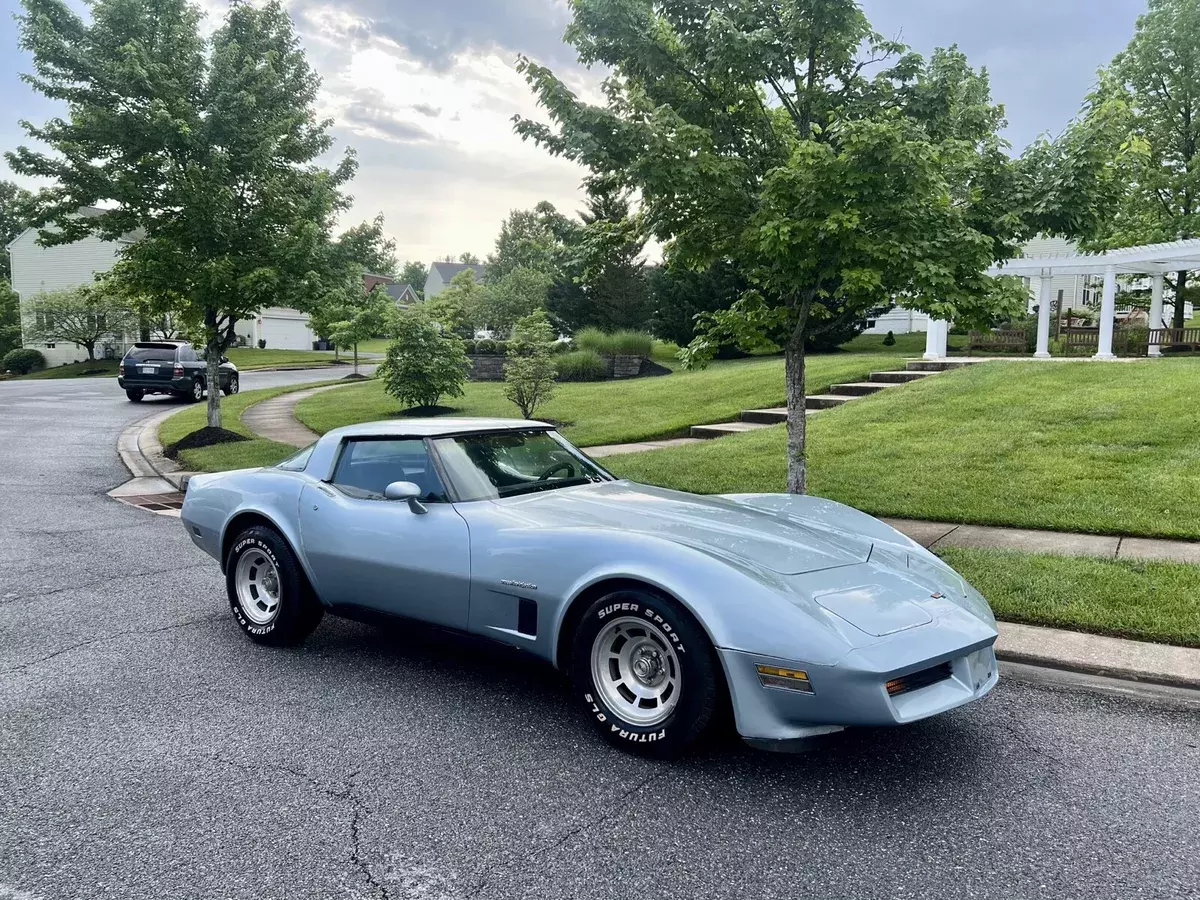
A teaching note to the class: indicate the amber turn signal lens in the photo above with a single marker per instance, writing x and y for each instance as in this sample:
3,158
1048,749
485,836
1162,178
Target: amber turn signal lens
788,679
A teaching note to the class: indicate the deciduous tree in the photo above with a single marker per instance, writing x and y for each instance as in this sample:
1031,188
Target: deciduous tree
10,319
424,363
209,146
82,316
13,203
414,272
529,374
518,294
759,132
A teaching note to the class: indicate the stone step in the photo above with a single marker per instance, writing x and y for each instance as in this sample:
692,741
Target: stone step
825,401
860,388
765,416
724,429
897,377
938,365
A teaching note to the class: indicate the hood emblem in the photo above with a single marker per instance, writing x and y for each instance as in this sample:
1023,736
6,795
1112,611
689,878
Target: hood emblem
937,596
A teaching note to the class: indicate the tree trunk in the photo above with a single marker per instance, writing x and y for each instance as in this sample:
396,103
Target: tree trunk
90,347
214,385
356,357
1180,286
796,423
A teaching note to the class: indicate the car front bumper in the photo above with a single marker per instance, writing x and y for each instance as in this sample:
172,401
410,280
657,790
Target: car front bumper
854,692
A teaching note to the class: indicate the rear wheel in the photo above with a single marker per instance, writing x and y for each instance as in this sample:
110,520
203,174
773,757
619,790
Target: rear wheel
646,673
135,395
232,387
271,599
197,393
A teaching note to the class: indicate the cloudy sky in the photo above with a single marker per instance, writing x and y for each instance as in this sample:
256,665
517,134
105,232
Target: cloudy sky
425,91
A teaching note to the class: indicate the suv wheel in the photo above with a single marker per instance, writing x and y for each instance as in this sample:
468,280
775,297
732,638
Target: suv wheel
135,395
232,387
197,393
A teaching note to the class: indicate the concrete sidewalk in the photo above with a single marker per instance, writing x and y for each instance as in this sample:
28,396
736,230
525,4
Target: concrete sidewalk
936,535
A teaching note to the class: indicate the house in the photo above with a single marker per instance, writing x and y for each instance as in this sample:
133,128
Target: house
37,269
404,294
442,273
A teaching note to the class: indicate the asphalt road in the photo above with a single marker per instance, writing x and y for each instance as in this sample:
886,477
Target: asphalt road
148,750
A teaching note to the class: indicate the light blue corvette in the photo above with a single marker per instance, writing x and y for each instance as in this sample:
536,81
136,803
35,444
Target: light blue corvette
806,615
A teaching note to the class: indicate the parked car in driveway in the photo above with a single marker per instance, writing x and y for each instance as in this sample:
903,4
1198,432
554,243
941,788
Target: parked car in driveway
808,616
171,367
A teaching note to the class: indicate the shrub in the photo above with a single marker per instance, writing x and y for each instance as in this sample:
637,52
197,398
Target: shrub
22,362
422,363
889,340
581,365
619,343
529,373
485,347
470,347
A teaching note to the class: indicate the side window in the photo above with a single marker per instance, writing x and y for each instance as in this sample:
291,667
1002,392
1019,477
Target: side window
367,466
298,462
187,354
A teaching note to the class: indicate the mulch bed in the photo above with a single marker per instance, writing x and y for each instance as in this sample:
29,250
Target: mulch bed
205,437
355,376
426,412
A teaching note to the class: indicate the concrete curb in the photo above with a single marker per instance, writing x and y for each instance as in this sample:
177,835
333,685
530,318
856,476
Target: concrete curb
142,453
1092,654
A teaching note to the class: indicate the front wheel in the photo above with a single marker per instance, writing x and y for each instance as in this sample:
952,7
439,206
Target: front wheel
197,393
645,671
135,395
232,386
271,599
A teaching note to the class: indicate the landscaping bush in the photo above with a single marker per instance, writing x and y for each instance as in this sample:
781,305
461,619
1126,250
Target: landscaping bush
22,362
422,363
529,373
889,340
581,365
619,343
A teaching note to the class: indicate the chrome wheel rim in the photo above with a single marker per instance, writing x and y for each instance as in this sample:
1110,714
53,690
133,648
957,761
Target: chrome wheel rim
636,671
233,385
257,583
197,390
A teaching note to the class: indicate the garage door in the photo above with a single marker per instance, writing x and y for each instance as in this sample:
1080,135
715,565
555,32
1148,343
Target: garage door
286,334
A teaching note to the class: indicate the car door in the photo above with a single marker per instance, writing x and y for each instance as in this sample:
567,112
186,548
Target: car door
370,552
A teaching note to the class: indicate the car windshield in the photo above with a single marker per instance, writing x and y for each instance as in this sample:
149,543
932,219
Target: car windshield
506,463
147,354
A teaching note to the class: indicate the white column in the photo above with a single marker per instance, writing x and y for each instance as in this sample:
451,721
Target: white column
1108,308
931,339
1045,299
1156,304
943,338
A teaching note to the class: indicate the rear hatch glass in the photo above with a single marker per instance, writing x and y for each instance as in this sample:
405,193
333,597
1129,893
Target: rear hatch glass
150,362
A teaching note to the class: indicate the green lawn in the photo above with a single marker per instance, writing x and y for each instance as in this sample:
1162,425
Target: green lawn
250,358
610,412
98,368
242,455
1105,448
906,344
1148,601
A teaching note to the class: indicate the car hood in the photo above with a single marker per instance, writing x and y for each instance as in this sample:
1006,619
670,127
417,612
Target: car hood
714,525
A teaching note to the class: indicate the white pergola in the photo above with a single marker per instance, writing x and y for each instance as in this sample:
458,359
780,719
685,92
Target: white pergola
1153,260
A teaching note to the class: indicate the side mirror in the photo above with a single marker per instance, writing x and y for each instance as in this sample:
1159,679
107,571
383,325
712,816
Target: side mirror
224,359
405,490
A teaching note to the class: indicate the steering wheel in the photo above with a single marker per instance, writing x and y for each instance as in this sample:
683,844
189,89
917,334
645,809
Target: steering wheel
566,464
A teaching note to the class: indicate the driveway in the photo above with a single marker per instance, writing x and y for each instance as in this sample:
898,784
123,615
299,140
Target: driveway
148,750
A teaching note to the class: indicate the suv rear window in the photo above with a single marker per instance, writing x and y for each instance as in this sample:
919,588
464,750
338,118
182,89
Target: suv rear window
143,354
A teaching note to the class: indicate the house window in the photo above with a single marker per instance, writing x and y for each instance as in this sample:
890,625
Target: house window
870,323
44,320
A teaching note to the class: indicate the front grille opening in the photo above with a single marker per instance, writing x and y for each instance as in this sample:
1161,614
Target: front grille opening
914,681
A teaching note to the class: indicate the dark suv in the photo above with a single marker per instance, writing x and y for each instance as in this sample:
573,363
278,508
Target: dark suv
170,367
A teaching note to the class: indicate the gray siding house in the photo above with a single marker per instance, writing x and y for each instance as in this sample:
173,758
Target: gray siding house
442,273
